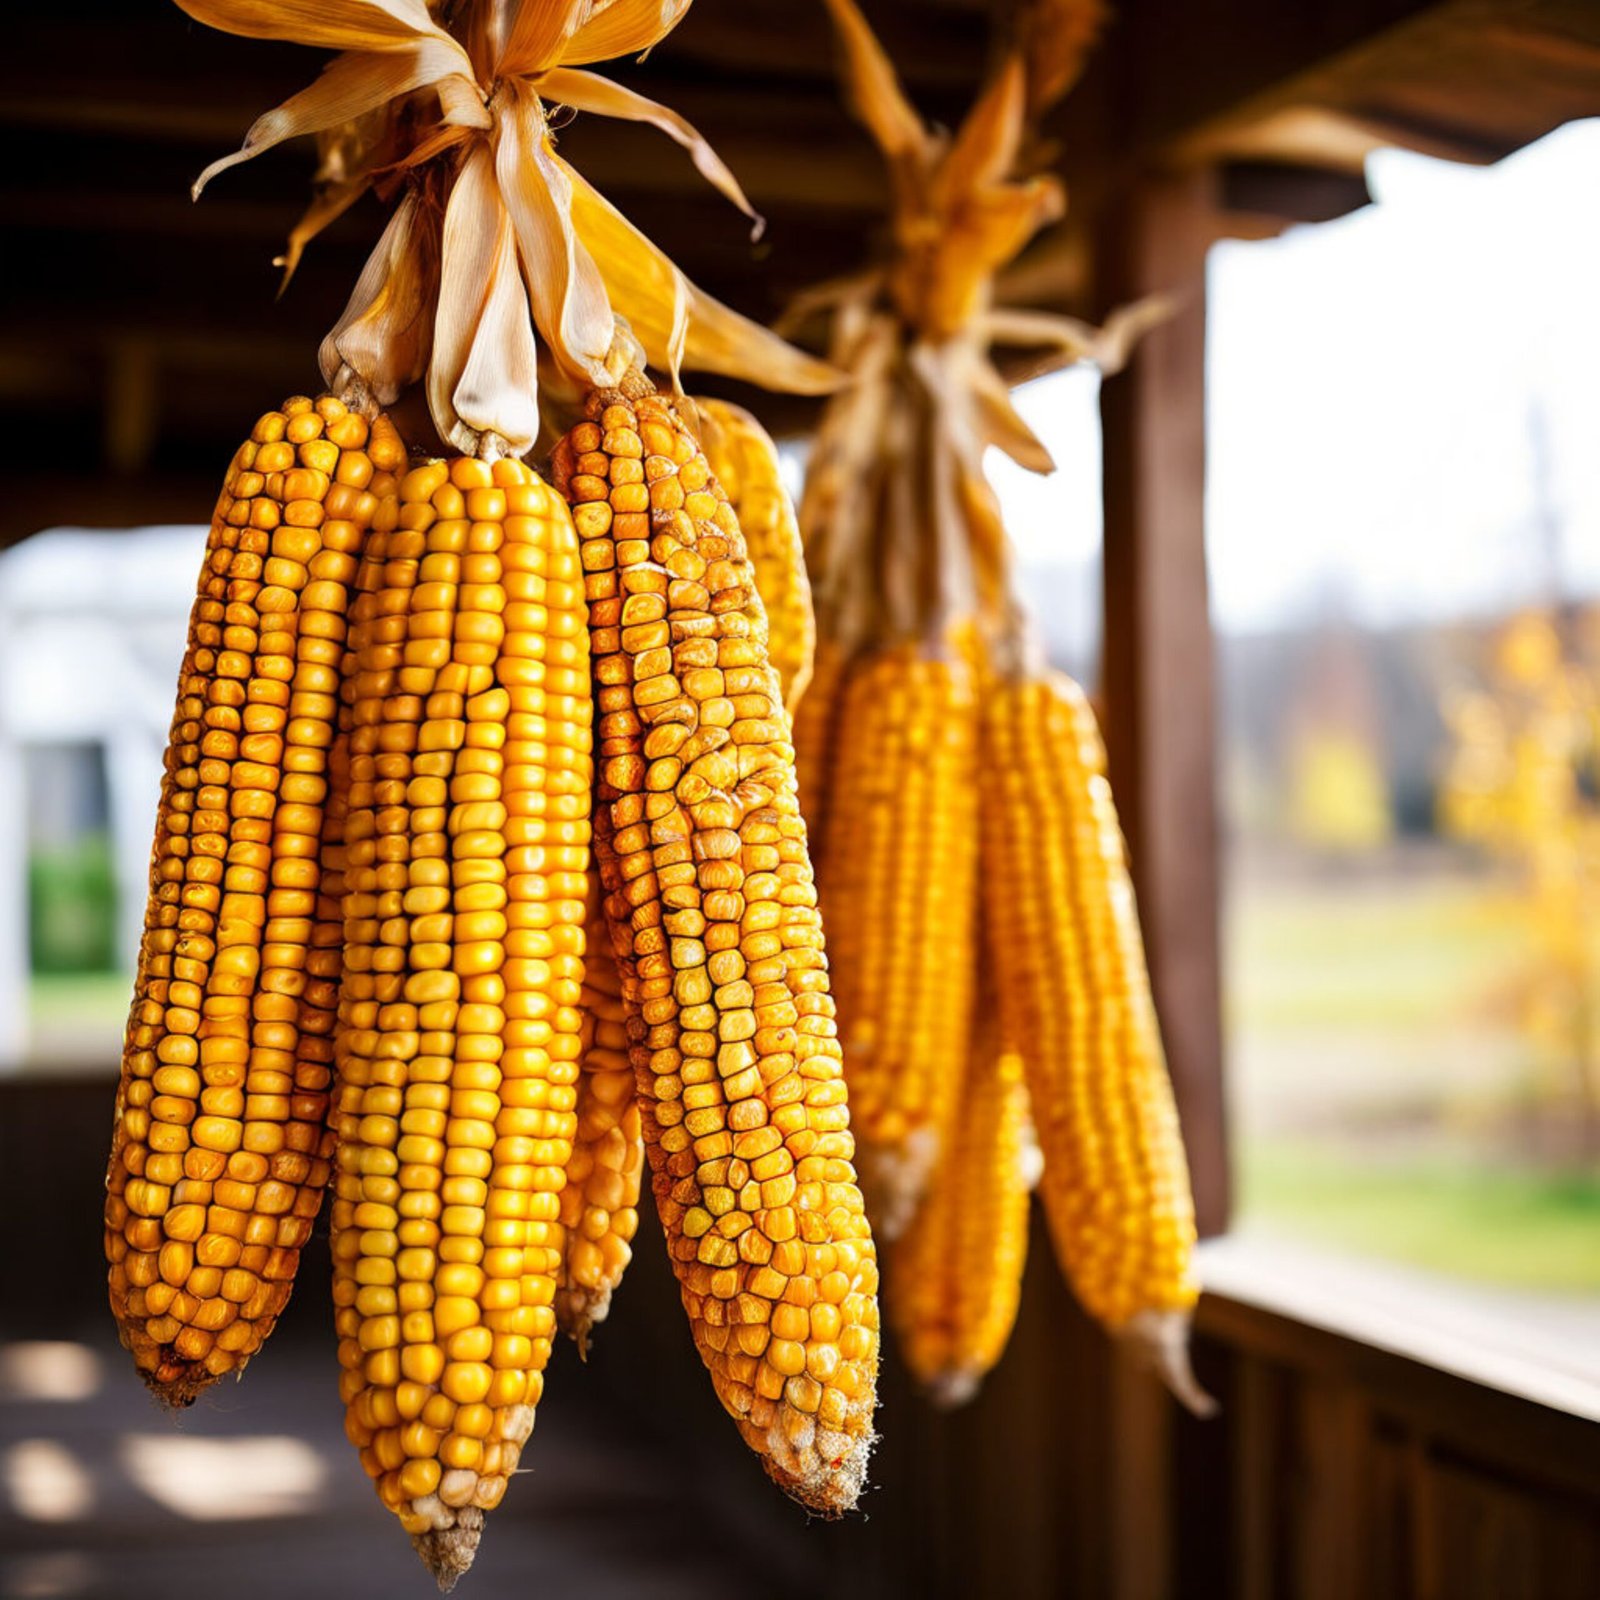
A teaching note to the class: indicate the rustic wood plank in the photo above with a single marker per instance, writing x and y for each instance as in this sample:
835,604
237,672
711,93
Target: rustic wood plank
1496,1540
1331,1546
1256,1420
1535,1442
1141,1481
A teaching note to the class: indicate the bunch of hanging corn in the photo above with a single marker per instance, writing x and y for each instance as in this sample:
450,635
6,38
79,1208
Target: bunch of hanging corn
967,838
376,955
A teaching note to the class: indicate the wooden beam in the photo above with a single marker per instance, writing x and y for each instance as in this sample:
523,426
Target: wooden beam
1290,193
1470,80
1158,669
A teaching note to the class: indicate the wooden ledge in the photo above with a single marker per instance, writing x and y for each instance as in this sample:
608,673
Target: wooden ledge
1540,1347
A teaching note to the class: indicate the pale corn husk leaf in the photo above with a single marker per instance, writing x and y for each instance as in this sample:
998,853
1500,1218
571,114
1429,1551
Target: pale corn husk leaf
843,298
999,422
677,324
347,155
482,375
385,334
329,24
538,37
946,294
568,293
986,147
873,87
327,206
1057,36
350,87
587,91
468,242
497,394
622,28
1109,347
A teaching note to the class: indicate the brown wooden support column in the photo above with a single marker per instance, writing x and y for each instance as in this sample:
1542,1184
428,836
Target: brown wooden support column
1158,669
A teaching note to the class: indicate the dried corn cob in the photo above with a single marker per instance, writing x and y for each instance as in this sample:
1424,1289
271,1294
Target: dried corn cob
599,1206
744,460
465,880
220,1152
955,1277
1065,943
900,889
713,915
815,737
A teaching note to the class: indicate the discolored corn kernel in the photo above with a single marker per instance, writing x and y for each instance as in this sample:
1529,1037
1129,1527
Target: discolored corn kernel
690,840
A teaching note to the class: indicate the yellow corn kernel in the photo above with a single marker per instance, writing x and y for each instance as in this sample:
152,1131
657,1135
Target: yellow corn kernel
815,716
599,1206
221,1151
465,859
744,461
900,892
1064,939
955,1276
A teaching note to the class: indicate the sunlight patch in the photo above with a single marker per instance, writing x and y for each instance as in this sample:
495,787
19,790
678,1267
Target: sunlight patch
45,1482
225,1480
48,1369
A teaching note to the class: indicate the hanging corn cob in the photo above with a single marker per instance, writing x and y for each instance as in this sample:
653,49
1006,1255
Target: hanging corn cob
713,915
465,879
911,571
1073,986
744,460
220,1152
461,1028
956,1276
599,1213
900,887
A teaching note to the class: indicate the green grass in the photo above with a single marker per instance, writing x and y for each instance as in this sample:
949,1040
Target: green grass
1515,1227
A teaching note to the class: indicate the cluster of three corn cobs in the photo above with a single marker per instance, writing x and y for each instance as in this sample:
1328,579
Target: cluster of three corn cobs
442,909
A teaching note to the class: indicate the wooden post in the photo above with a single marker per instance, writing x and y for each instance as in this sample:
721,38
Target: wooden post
1157,676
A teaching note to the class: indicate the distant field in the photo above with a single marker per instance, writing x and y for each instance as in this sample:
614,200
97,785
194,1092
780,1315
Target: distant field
1375,1062
1387,954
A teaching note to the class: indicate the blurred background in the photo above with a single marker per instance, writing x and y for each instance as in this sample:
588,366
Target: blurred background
1356,737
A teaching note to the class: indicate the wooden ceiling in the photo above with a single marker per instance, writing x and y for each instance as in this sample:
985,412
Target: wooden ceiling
140,332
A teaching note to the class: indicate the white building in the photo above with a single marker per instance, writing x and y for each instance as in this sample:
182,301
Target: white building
92,629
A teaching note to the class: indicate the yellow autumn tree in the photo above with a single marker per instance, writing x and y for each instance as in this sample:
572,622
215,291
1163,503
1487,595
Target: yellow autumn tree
1522,783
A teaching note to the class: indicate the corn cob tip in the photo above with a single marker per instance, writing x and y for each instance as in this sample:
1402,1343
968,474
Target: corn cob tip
823,1471
448,1552
955,1388
894,1178
177,1385
579,1312
1161,1339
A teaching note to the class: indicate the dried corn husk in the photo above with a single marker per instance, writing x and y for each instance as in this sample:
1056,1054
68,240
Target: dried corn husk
499,253
915,334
